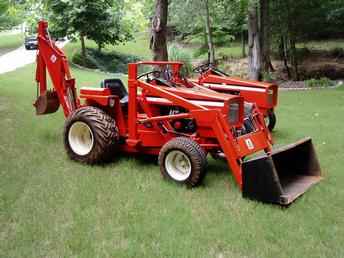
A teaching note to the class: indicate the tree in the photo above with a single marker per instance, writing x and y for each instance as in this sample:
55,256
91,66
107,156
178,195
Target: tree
254,44
3,9
10,14
158,42
265,32
227,20
98,20
110,28
3,6
211,49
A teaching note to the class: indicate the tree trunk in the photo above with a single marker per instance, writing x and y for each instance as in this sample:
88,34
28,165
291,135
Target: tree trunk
265,32
83,49
254,53
243,44
284,55
158,42
292,42
293,58
211,49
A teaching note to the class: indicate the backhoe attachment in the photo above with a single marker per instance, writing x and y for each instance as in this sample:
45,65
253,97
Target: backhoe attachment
282,176
47,103
52,60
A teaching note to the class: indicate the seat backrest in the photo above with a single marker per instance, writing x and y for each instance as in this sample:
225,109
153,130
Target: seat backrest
116,86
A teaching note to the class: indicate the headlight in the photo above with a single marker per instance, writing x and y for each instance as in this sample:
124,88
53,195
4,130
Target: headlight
234,116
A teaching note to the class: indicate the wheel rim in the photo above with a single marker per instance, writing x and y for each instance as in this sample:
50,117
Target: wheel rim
267,121
80,138
178,165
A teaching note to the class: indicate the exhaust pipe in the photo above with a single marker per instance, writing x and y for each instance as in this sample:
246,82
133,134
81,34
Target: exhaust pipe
282,176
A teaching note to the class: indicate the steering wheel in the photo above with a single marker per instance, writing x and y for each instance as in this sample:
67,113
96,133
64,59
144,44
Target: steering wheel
202,68
156,74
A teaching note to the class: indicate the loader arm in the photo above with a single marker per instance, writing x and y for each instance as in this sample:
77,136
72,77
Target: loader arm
51,58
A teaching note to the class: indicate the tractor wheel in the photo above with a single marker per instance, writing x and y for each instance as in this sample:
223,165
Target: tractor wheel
184,161
90,136
270,120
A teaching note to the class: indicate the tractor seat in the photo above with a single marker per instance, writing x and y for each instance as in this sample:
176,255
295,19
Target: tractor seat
117,88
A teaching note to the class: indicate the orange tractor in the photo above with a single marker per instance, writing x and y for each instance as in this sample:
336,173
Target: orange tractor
263,94
179,120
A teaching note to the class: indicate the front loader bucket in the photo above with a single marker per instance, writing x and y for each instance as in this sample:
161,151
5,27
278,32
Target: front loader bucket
282,176
47,103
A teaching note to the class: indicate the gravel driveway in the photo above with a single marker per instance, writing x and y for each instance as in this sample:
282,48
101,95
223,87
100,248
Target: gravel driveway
19,58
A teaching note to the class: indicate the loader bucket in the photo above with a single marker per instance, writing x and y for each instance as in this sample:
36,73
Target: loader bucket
283,175
47,103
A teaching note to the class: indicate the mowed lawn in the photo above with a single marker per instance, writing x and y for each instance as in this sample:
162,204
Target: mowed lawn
53,207
10,42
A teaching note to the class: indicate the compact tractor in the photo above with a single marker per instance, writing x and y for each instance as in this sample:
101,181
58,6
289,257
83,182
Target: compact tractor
180,121
264,95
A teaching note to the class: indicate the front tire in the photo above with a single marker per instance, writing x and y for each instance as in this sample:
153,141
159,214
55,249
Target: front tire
90,136
184,161
271,120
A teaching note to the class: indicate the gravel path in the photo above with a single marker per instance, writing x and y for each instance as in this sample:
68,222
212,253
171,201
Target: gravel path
19,58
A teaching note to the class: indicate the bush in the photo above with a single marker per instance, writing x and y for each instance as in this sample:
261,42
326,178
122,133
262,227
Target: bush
89,62
176,53
268,77
106,61
112,61
337,52
201,51
322,82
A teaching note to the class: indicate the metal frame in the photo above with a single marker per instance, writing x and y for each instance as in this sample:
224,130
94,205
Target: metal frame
265,95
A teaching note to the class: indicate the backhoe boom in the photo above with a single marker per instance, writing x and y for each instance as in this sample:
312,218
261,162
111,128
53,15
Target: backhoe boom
51,58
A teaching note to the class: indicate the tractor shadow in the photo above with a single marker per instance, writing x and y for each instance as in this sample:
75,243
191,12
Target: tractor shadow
217,173
139,158
281,135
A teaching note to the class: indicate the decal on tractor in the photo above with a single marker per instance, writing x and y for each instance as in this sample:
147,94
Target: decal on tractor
53,58
249,144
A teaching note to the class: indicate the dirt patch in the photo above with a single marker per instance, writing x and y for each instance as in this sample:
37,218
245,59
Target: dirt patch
315,65
317,69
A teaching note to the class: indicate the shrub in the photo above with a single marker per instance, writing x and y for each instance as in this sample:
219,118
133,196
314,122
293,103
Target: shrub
337,52
268,77
112,62
176,53
322,82
89,62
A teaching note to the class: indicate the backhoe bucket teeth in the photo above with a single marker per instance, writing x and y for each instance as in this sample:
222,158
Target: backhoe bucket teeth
283,175
47,103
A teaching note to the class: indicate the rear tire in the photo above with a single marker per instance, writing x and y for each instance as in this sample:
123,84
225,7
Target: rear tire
184,161
90,136
271,120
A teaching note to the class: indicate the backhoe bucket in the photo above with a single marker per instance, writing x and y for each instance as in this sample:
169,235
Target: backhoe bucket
47,103
282,176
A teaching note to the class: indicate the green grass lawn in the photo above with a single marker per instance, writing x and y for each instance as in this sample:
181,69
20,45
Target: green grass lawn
323,44
51,206
139,46
10,42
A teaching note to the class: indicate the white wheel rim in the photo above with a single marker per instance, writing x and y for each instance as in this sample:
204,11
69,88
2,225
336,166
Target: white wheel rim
178,165
80,138
267,121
